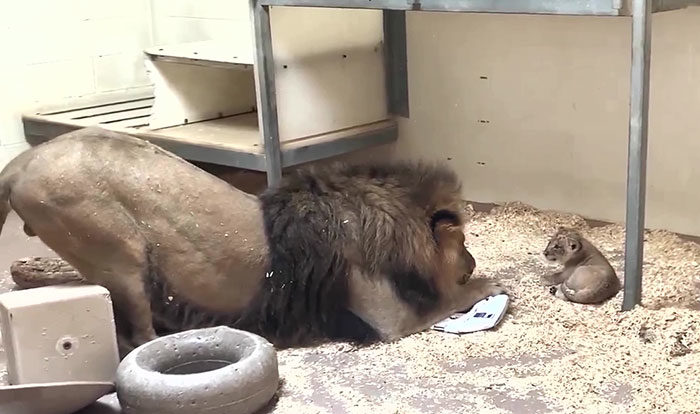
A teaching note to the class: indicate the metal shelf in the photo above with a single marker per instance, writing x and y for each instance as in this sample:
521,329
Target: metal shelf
205,53
555,7
232,140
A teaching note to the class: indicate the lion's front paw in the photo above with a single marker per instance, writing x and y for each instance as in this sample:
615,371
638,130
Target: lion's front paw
479,290
493,289
486,288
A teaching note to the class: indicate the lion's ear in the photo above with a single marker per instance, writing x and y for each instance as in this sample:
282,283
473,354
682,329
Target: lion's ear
445,225
444,217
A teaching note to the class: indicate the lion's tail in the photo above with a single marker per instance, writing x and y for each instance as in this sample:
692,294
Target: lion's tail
7,179
29,272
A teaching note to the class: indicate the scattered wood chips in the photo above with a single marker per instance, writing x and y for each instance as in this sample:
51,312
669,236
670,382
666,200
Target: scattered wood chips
547,355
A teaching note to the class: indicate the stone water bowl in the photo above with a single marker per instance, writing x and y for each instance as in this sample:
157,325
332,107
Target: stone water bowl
214,370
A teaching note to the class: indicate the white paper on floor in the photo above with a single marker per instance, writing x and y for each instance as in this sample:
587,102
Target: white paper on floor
484,315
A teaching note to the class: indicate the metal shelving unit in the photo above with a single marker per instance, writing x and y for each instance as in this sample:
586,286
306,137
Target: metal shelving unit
230,140
203,108
395,38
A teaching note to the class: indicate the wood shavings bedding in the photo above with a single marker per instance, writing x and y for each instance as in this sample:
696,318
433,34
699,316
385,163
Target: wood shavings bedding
547,355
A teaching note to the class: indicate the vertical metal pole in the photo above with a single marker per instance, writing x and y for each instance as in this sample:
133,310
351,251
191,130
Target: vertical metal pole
637,152
266,93
395,62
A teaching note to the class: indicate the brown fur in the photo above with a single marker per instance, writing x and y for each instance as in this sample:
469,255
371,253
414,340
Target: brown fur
587,276
179,248
384,241
116,207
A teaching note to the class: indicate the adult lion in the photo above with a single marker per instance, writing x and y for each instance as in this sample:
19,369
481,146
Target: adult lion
356,252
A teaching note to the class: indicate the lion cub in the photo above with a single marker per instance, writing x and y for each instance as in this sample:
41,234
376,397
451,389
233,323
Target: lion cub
587,276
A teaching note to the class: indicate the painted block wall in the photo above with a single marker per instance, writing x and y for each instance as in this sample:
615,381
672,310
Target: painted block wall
177,21
54,49
530,108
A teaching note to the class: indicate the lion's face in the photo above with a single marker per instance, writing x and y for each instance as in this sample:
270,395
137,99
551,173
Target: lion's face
458,262
467,265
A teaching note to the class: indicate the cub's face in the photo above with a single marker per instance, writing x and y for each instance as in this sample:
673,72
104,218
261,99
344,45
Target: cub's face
563,246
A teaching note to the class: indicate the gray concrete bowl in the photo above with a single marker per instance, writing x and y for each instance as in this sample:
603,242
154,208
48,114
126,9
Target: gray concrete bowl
214,370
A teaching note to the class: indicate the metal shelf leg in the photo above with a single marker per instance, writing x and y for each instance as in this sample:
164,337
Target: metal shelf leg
267,96
396,62
637,152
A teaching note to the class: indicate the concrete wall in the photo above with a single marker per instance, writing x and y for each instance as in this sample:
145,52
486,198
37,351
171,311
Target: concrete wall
535,108
530,108
176,21
52,49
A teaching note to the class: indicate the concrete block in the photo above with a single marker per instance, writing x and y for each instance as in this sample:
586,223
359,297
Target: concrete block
109,9
121,71
59,333
168,30
56,80
201,9
119,34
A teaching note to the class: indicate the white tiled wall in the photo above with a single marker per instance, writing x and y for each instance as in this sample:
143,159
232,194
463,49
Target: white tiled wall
54,49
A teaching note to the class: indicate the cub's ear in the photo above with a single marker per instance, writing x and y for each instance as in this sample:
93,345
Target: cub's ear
574,245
